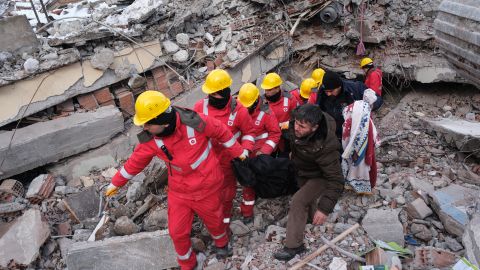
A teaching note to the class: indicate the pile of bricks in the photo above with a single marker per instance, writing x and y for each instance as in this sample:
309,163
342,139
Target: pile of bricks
165,81
40,188
126,102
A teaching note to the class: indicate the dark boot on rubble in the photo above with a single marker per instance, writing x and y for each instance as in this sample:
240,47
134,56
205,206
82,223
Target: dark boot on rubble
287,254
224,252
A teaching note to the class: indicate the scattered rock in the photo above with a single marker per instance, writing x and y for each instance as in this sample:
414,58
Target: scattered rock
232,55
337,264
183,39
136,81
471,240
81,235
275,234
103,59
180,56
453,244
198,245
238,228
64,190
419,209
170,47
156,220
31,65
125,226
421,231
135,191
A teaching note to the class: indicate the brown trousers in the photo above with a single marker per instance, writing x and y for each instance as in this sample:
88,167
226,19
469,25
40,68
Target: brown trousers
304,203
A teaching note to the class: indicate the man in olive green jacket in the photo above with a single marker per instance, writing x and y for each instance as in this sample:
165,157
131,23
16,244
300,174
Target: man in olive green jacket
317,160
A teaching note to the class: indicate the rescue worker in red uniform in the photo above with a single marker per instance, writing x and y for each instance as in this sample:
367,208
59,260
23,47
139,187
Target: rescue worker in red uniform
182,138
281,104
266,131
220,105
373,75
306,92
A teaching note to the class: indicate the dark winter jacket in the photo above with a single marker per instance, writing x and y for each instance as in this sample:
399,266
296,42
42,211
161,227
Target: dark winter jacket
350,91
316,158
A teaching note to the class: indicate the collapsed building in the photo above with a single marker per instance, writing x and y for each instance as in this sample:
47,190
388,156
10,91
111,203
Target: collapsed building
70,72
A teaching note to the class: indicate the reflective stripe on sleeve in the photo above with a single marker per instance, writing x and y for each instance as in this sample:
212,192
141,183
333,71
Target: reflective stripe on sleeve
230,142
271,143
125,174
186,256
249,202
248,138
216,237
202,157
262,136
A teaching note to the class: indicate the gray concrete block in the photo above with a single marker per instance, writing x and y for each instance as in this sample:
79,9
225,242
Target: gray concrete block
384,225
419,209
141,251
47,142
20,35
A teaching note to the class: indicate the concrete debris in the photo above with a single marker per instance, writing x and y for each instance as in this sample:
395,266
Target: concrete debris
465,135
156,251
428,258
31,65
450,204
337,264
22,239
58,138
83,205
421,231
65,190
419,209
180,56
170,47
275,234
384,225
471,240
21,37
40,188
182,39
103,59
125,226
157,219
238,228
10,208
136,81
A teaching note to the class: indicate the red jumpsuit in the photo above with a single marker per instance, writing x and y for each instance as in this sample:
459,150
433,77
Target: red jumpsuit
311,100
282,109
267,137
240,124
373,80
194,180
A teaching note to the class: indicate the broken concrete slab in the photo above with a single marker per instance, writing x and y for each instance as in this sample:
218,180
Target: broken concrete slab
384,225
20,35
23,238
464,135
50,141
12,207
418,209
83,205
471,240
78,78
450,203
148,250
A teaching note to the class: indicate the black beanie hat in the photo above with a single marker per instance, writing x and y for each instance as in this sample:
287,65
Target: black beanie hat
331,80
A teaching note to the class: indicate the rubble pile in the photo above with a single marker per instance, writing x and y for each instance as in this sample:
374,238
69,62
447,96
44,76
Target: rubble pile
424,200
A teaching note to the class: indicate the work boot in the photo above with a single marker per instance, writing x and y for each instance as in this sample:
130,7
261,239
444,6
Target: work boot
247,220
287,254
224,252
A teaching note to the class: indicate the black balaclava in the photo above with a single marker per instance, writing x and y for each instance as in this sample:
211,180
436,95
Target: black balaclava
220,103
165,118
275,97
251,109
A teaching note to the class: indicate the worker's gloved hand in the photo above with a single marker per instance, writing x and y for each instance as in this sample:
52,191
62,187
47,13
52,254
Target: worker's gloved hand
111,190
284,125
244,155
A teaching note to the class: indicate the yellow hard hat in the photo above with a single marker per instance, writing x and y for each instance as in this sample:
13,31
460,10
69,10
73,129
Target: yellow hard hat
248,94
271,80
149,105
317,75
217,79
365,61
306,87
